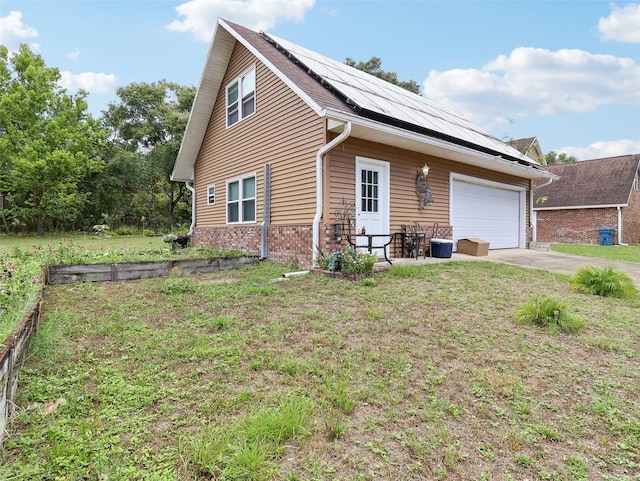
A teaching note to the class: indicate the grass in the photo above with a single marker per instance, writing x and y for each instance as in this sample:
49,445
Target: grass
87,242
22,259
423,374
630,253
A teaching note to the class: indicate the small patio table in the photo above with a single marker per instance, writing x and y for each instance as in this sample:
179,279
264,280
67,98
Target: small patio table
370,243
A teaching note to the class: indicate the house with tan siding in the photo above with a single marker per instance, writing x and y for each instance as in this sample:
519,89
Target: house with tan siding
280,138
590,195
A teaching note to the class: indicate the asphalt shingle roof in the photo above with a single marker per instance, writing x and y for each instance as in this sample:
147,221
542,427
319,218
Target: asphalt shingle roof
594,182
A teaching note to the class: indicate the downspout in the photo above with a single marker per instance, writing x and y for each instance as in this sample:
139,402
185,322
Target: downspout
193,208
533,219
266,213
319,185
620,227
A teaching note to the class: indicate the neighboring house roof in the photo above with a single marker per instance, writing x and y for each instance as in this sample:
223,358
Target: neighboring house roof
379,111
529,146
590,183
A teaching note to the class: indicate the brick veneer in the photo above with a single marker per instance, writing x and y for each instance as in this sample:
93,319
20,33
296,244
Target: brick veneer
575,226
580,226
631,219
289,244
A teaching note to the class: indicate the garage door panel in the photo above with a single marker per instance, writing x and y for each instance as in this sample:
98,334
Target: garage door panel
487,212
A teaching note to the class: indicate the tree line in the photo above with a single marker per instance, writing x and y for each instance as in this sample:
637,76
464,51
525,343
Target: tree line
61,169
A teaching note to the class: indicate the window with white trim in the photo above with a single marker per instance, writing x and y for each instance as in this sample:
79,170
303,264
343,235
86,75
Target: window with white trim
636,183
241,200
211,195
241,97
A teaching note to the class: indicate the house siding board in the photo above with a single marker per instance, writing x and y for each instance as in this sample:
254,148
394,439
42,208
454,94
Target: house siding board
404,169
283,131
299,76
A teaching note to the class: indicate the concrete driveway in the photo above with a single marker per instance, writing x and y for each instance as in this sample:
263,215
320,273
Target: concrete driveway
550,261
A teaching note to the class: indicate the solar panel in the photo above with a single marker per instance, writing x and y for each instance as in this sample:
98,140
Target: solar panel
376,95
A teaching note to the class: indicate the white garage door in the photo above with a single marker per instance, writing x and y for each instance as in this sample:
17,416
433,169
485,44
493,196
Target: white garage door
489,211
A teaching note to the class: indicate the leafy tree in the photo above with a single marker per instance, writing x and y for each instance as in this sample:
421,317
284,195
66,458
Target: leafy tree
553,158
150,120
373,66
48,143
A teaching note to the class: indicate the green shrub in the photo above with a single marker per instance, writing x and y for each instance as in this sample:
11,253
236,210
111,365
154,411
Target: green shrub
606,281
548,312
354,262
348,261
126,230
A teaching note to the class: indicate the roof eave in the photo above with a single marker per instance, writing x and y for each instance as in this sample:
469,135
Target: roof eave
575,207
222,45
390,135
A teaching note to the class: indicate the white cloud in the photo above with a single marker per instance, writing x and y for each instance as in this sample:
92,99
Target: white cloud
200,16
622,25
92,82
73,55
533,81
601,150
14,31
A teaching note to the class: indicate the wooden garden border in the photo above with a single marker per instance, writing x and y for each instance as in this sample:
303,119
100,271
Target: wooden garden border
14,351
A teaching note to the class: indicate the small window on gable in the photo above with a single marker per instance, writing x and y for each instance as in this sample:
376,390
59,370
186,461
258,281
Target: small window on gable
241,200
211,195
241,97
636,182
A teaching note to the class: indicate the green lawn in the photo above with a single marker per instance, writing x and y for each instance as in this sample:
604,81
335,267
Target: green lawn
22,258
418,373
629,253
89,242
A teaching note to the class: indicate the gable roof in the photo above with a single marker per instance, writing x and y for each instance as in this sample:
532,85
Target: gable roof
590,183
379,111
529,147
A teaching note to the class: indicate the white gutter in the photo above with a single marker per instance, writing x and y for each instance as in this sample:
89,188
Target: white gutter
533,219
573,207
320,186
620,227
193,208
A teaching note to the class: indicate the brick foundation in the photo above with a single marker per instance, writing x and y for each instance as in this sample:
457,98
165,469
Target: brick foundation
288,244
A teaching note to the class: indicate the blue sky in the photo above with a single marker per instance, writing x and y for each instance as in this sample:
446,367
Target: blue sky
567,72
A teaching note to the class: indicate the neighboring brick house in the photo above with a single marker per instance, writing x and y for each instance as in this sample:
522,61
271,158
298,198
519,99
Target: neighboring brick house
279,136
590,195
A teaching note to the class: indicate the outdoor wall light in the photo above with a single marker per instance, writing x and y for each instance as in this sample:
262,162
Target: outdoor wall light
423,189
337,229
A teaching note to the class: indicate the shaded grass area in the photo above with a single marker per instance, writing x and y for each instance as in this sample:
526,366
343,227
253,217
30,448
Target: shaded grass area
630,253
88,242
422,373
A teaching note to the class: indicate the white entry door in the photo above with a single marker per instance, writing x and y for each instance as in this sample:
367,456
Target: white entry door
372,200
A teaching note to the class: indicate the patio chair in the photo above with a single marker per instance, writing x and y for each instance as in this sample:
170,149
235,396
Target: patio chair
423,238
